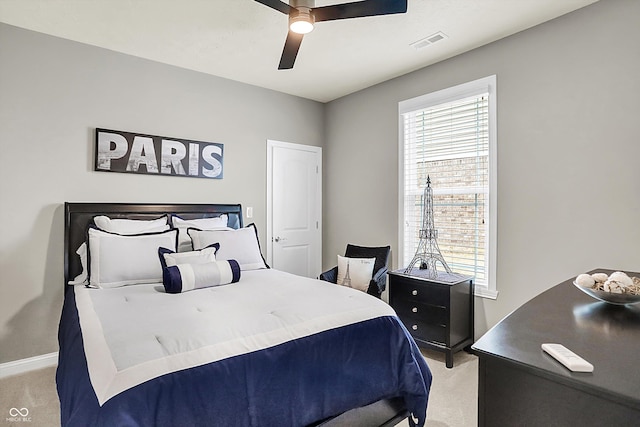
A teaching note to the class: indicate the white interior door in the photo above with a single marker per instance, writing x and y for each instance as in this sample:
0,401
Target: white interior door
294,208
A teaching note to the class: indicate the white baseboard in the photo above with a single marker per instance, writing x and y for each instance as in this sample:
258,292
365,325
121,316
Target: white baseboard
22,366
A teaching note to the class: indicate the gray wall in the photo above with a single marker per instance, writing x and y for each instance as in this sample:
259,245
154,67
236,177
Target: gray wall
53,94
568,175
568,152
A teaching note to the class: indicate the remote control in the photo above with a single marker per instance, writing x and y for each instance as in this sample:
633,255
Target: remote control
567,357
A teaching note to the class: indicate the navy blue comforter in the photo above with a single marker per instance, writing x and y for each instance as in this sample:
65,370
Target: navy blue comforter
293,384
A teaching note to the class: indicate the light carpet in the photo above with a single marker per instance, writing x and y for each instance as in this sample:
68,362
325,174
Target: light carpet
453,400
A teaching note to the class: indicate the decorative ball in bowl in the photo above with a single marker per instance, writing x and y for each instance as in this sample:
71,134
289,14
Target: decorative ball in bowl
616,288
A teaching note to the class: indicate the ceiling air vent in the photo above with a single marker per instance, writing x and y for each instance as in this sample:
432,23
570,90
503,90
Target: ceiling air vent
429,40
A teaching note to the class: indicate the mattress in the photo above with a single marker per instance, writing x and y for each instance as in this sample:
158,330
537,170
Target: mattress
272,349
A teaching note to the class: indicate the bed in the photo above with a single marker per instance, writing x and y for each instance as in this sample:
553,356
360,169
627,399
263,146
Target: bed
263,348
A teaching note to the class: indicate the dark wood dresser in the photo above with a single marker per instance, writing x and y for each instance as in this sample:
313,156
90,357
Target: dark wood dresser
438,314
521,385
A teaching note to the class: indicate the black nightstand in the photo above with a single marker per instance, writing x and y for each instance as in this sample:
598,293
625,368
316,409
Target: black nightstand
438,314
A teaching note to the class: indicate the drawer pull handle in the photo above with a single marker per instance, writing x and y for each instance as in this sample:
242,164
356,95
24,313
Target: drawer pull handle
414,292
414,327
414,309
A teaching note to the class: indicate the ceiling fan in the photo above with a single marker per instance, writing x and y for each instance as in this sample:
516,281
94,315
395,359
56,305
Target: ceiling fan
303,15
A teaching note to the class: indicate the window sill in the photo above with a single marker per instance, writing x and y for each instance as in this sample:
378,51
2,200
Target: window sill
483,292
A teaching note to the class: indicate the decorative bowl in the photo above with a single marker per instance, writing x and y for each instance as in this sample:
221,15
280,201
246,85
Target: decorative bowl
609,297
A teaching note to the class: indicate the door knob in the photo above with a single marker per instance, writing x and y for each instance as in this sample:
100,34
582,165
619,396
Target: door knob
279,239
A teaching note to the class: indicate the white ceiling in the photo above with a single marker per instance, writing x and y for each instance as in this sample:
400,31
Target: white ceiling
242,40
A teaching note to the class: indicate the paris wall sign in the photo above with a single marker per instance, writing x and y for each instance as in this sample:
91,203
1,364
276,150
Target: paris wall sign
118,151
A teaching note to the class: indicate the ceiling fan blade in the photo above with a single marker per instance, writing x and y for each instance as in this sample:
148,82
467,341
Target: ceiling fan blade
277,5
290,51
359,9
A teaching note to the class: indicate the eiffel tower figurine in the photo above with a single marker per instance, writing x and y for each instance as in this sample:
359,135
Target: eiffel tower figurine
428,252
346,281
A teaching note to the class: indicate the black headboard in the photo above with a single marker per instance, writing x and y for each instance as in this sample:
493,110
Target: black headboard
79,216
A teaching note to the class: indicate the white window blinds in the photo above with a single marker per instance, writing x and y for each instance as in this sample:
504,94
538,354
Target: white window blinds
449,142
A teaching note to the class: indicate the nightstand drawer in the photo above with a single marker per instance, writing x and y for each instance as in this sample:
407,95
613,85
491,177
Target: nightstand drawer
426,331
427,313
416,290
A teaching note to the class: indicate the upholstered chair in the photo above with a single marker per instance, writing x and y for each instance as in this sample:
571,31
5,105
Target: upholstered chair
379,280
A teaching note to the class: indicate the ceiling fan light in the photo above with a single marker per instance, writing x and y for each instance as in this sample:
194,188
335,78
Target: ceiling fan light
301,27
301,22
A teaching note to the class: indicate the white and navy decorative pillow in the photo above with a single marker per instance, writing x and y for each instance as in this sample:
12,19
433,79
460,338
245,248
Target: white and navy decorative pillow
186,277
184,241
241,245
117,260
131,226
355,272
170,258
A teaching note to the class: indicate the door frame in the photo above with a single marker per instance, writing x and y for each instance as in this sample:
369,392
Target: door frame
271,144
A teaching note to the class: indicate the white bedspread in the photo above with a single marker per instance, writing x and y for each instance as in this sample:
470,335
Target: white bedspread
135,333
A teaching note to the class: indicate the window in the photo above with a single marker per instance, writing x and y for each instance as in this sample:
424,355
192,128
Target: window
450,137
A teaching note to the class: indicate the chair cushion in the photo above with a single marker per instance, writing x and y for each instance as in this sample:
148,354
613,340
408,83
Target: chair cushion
355,272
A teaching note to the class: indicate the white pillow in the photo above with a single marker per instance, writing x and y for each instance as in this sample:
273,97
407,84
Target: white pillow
116,260
131,226
360,272
241,245
184,241
170,258
118,226
201,223
81,279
